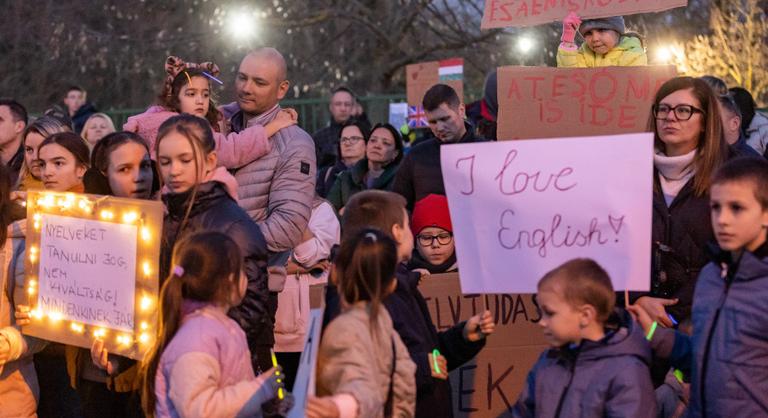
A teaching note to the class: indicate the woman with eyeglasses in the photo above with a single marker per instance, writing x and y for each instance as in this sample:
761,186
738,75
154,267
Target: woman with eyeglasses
689,147
352,139
435,248
383,152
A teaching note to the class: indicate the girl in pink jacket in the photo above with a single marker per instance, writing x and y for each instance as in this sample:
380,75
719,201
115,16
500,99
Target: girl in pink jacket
201,366
187,89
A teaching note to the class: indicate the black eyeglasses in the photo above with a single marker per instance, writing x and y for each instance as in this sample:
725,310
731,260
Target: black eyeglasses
682,112
442,239
351,139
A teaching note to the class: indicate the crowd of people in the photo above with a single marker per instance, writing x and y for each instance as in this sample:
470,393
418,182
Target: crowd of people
257,211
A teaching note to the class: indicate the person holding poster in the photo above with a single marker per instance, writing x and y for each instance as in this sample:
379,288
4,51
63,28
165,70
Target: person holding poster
606,44
688,138
19,389
200,366
198,195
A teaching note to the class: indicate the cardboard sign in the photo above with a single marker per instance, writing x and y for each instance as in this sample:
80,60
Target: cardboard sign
489,385
506,13
91,270
537,204
420,77
537,102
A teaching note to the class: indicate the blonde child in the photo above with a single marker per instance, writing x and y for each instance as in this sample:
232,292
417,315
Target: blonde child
201,366
598,363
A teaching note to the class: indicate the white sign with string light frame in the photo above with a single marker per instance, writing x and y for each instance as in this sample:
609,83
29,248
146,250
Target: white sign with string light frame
91,270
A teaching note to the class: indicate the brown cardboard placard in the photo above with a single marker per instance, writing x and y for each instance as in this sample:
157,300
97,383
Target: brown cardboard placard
508,13
421,76
490,384
540,102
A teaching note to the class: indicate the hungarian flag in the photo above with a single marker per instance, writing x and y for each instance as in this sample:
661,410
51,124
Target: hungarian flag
451,69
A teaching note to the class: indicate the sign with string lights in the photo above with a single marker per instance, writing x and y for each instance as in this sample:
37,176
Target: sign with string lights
92,270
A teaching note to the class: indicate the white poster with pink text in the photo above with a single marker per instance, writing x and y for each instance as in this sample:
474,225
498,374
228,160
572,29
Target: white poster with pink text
522,208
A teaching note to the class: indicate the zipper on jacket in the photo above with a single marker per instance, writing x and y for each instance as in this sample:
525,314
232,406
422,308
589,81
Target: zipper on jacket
567,387
705,360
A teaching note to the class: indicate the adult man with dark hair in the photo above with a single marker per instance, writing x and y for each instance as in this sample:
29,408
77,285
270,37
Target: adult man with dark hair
420,173
342,107
13,121
276,190
732,133
79,109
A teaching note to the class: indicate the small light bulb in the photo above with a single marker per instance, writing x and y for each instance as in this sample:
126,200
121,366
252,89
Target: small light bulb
36,313
130,217
99,332
55,316
145,303
145,235
144,338
107,215
147,268
78,328
144,326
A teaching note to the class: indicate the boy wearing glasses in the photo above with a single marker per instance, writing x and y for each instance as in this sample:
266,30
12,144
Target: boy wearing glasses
435,248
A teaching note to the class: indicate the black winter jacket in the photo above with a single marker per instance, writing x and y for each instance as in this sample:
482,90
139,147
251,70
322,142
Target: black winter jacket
413,323
215,210
680,234
420,173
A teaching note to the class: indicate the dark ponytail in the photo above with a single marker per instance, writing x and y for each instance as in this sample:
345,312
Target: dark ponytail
206,268
365,268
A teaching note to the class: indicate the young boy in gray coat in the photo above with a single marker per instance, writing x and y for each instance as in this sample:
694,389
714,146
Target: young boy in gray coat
598,363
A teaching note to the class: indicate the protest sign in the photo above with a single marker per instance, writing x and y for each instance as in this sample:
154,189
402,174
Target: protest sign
506,13
91,270
420,77
398,114
537,102
535,204
490,384
304,385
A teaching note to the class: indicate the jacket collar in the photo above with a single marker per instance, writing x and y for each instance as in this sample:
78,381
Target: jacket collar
741,265
207,195
359,170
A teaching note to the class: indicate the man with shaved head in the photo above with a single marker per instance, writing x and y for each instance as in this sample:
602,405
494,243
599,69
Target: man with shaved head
276,190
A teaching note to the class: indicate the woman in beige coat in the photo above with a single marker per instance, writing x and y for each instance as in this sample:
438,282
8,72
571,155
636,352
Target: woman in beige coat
364,369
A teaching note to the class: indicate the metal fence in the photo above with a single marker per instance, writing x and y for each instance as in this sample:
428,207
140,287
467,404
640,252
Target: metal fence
313,113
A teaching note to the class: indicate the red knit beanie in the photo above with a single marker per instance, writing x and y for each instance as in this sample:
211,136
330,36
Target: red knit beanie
431,211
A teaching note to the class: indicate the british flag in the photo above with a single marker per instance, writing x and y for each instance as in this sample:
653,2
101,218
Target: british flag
416,117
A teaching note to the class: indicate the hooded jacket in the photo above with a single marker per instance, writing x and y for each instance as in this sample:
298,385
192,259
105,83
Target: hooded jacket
214,209
352,181
607,378
728,352
628,53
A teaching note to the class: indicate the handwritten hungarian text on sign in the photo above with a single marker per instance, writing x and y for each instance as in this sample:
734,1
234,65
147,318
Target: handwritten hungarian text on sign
504,13
537,204
539,102
88,271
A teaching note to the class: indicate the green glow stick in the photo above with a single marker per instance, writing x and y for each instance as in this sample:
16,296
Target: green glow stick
435,355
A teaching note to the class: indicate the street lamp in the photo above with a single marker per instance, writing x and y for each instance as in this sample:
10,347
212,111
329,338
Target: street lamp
241,24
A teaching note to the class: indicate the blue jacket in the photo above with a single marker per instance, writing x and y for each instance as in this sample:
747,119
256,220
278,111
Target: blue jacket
607,378
727,356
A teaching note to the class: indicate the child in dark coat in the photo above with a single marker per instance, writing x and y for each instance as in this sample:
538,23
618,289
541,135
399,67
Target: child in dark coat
598,363
727,355
411,319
